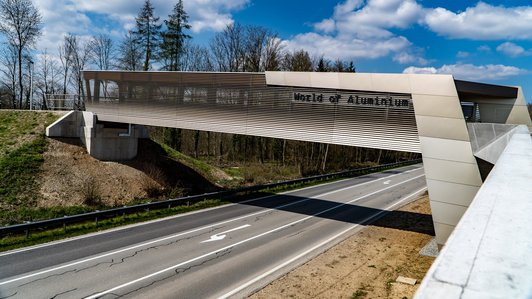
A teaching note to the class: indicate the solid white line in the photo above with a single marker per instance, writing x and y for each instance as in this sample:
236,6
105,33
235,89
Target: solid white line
242,242
181,234
188,214
293,259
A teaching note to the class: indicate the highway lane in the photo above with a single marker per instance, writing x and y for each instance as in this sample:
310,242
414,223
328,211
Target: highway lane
220,252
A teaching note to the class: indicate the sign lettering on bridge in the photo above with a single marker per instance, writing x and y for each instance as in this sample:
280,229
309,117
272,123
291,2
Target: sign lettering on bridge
383,101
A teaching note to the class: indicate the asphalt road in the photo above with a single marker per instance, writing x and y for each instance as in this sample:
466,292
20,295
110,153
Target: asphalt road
228,251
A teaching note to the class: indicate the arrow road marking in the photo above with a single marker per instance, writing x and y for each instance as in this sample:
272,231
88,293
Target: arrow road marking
387,182
221,236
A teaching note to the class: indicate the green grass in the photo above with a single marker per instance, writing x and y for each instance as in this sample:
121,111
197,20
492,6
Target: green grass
18,170
22,144
17,125
206,170
18,241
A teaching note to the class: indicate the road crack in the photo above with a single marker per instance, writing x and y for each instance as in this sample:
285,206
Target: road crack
163,245
9,296
178,271
57,295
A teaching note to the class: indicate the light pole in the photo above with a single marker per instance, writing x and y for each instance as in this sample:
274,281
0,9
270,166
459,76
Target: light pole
31,67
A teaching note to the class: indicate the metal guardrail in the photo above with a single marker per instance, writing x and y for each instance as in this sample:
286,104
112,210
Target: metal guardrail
95,216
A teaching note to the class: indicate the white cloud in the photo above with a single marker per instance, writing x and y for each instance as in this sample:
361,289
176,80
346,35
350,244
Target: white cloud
377,17
68,16
327,26
484,48
513,50
361,29
462,54
482,22
333,47
406,58
470,71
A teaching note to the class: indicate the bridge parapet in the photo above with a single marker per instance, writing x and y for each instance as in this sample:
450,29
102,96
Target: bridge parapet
489,252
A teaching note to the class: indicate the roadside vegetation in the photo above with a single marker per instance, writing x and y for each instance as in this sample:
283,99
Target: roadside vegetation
22,144
29,161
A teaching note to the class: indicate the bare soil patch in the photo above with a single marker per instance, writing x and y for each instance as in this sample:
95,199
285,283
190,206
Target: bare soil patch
366,264
71,176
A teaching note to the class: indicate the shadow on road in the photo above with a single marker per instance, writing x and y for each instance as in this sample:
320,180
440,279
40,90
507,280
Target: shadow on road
349,213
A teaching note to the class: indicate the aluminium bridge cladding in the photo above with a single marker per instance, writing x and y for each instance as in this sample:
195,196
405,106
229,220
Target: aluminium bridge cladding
243,103
356,109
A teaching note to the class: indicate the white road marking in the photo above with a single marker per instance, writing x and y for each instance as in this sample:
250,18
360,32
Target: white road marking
187,214
221,236
387,182
243,241
293,259
190,231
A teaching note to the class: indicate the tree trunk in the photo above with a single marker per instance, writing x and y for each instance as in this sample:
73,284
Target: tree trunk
21,86
284,151
325,157
196,143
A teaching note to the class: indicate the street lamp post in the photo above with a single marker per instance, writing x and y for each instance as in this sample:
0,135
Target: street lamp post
31,69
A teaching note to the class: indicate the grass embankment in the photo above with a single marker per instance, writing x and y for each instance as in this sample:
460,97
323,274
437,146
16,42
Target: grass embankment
22,144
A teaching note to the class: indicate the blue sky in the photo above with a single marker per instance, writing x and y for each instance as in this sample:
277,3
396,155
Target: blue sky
488,41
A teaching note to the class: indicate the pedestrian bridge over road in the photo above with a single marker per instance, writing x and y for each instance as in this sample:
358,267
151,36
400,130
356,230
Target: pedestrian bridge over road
459,127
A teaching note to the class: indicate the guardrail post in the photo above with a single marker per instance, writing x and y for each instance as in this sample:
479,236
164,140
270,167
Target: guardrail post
64,227
96,221
27,234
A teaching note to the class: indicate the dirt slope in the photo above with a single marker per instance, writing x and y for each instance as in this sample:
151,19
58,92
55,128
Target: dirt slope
70,175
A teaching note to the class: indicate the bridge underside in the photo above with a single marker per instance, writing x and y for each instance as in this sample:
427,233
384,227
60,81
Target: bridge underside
414,113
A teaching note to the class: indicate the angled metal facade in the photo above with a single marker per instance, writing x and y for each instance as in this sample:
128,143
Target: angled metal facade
405,112
242,103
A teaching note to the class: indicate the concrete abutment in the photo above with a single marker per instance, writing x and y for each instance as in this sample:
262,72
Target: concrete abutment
103,140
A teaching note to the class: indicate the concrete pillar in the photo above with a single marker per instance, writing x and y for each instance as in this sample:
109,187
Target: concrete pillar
451,170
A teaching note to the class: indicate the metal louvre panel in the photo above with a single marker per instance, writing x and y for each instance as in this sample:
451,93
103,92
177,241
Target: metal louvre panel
242,103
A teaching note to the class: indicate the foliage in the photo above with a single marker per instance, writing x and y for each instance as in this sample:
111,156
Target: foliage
147,32
173,38
130,55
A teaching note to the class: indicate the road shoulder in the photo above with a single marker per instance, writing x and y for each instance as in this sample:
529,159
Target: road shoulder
367,264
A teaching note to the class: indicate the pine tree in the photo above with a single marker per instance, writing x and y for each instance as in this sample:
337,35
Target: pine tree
172,46
147,33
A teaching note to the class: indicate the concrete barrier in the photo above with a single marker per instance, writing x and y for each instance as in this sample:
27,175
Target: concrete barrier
488,254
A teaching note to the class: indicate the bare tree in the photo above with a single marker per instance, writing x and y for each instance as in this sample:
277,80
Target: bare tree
130,54
196,58
20,22
101,49
298,61
8,59
272,54
79,56
47,77
255,40
228,48
66,65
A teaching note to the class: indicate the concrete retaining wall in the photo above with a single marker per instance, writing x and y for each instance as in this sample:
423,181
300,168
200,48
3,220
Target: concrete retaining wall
102,143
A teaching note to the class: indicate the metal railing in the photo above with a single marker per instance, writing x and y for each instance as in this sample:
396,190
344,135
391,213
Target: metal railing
166,204
64,102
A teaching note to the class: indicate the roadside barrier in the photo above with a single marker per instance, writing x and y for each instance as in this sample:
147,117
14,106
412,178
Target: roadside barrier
166,204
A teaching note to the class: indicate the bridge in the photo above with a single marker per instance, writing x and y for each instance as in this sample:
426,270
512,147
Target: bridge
461,128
